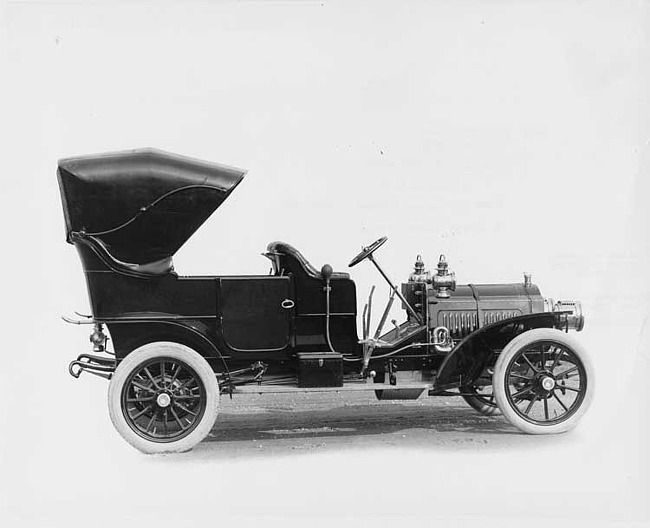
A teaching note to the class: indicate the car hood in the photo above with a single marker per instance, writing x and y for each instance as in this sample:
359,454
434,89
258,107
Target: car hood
142,204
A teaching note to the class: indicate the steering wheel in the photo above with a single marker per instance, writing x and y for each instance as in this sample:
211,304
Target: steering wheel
367,251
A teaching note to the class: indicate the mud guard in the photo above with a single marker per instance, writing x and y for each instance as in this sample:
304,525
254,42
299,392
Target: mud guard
128,336
465,363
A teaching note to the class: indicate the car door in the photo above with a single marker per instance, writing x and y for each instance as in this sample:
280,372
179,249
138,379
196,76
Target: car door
256,313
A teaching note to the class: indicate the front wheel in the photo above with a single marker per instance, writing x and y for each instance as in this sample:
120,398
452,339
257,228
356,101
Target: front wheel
163,398
543,381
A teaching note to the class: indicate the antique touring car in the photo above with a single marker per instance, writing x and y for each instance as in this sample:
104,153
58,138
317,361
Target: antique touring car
179,342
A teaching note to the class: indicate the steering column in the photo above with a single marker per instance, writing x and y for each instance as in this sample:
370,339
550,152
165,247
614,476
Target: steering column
367,253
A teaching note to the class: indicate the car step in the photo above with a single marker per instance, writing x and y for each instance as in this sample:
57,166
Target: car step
348,387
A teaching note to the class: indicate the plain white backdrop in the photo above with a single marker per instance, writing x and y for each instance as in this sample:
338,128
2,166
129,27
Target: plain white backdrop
510,136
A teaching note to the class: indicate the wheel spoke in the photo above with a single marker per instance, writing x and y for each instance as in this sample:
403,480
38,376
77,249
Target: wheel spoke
521,392
515,375
143,387
523,355
564,387
136,416
162,373
153,417
184,408
176,372
542,358
140,400
556,361
186,383
178,420
530,405
560,402
566,372
146,369
546,408
188,397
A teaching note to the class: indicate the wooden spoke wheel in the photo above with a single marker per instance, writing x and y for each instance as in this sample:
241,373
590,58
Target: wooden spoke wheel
543,381
163,397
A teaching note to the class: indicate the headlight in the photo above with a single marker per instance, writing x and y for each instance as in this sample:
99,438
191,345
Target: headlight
573,316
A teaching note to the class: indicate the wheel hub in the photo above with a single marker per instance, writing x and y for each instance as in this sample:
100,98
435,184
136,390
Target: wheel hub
548,383
163,400
543,384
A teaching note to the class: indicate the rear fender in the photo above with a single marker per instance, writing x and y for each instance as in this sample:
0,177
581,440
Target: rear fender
465,363
194,334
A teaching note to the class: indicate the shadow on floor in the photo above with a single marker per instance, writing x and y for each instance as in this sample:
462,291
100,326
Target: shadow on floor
359,420
282,426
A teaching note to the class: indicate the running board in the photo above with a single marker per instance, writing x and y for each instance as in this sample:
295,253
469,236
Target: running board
350,387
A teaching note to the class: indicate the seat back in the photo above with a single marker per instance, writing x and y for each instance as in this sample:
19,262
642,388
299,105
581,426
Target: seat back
310,309
293,261
159,267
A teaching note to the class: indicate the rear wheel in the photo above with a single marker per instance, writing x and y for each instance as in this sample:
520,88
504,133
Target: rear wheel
163,398
480,396
543,381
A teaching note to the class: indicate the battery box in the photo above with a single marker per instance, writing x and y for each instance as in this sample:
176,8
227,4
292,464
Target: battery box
320,369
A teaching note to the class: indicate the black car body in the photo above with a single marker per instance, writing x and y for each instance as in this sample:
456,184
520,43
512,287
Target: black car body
179,342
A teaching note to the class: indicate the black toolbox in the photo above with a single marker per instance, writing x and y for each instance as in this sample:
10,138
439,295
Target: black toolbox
320,369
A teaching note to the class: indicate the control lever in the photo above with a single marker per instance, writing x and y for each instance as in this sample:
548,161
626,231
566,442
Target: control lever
398,330
367,311
382,322
370,344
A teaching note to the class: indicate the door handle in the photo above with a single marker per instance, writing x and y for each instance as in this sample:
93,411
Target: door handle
287,304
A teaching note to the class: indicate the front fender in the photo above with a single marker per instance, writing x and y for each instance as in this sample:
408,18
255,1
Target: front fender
465,363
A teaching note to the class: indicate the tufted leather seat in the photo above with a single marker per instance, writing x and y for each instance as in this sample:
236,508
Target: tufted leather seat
293,257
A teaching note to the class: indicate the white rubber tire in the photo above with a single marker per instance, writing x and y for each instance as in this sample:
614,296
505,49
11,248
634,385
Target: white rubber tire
500,375
175,351
480,406
477,403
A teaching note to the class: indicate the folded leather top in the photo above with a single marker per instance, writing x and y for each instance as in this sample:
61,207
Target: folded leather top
142,204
